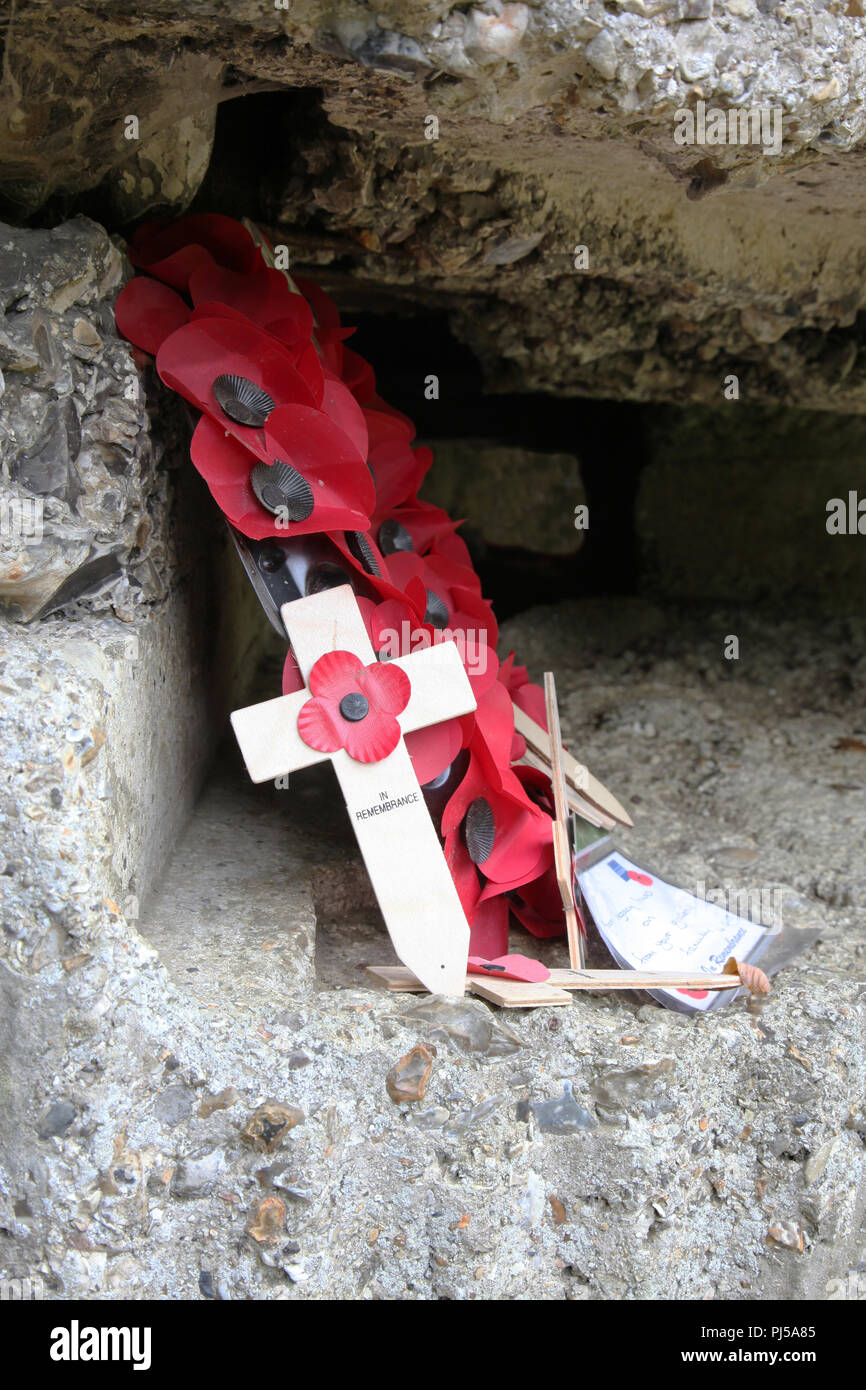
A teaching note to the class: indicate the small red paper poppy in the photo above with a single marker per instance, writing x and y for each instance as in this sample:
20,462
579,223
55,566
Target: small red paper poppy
354,707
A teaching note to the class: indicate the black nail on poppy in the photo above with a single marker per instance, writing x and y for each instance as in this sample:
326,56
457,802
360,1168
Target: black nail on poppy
362,550
437,612
354,706
279,487
242,400
479,830
393,537
324,576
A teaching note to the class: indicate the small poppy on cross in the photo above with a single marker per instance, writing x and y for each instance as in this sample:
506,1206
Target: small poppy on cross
356,711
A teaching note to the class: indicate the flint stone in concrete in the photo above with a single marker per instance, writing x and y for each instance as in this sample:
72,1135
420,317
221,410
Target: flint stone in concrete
78,460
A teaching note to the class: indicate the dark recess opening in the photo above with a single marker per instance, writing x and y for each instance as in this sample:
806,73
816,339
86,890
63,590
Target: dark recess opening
606,436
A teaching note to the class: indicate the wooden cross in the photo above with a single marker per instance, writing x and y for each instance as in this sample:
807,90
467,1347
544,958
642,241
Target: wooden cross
386,806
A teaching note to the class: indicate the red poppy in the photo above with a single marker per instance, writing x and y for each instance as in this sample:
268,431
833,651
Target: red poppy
450,594
337,483
521,835
425,524
304,357
371,569
204,351
173,251
354,707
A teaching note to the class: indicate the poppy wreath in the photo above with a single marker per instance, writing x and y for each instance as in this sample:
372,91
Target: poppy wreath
292,439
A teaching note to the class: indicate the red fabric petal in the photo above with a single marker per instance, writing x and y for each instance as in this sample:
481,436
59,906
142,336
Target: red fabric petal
173,251
530,698
453,547
433,749
195,355
534,922
392,627
340,406
528,874
263,296
335,674
214,309
488,931
381,584
510,967
425,523
373,737
318,727
494,718
358,376
327,314
292,678
466,880
226,465
387,687
375,402
146,312
523,834
316,447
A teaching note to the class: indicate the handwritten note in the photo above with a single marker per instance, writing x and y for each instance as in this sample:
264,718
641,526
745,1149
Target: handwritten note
651,925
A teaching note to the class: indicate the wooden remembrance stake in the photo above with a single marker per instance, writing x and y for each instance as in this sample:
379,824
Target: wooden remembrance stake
386,806
561,847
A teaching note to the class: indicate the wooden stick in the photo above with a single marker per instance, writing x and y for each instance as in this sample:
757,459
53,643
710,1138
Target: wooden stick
641,979
561,848
398,978
577,775
576,801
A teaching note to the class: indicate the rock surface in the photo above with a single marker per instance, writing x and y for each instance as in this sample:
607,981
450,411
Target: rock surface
81,467
517,166
613,1150
509,496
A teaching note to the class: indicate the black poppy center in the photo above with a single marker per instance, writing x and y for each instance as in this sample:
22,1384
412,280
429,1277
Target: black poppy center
242,400
394,537
354,706
437,612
